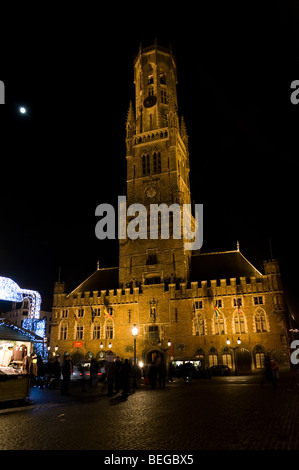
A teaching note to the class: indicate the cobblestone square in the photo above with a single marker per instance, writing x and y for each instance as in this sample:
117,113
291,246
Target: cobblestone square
224,413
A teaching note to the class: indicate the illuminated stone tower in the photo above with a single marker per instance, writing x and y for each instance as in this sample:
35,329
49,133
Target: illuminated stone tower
157,168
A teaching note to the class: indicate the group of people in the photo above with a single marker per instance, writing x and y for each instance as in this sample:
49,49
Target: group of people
156,373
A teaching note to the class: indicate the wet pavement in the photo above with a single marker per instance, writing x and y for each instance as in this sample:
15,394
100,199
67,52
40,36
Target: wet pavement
224,413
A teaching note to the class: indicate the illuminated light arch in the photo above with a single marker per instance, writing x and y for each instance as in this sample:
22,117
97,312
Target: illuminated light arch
9,290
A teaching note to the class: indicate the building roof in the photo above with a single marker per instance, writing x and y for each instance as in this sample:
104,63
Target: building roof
12,332
101,279
222,265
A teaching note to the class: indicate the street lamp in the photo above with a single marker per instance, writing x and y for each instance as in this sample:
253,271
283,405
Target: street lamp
134,333
234,350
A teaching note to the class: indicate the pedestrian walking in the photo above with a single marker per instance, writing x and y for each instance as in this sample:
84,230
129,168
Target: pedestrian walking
118,374
171,372
126,375
66,370
82,371
274,372
94,369
110,374
161,370
152,375
56,374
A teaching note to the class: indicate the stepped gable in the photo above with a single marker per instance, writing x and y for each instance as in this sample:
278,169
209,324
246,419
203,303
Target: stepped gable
101,279
222,265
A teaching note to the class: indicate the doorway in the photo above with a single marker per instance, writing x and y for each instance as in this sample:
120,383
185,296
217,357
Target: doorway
244,361
154,356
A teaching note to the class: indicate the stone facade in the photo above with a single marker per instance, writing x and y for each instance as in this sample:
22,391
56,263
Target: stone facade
186,305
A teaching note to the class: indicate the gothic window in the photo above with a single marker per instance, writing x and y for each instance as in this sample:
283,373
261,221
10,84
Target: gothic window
199,325
259,360
145,164
260,321
156,162
79,332
239,322
213,360
109,329
227,359
63,331
219,323
163,96
96,331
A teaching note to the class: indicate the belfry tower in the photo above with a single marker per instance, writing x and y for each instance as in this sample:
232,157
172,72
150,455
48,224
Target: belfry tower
157,169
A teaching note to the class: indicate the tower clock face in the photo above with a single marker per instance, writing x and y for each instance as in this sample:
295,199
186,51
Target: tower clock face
149,101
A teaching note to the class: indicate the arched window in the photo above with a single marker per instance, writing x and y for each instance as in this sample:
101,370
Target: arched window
145,164
96,330
109,329
213,357
156,162
79,330
239,322
63,330
219,323
260,321
199,325
227,358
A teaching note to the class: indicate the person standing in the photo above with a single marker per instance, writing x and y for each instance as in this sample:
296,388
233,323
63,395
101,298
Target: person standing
94,369
161,374
67,370
126,374
118,371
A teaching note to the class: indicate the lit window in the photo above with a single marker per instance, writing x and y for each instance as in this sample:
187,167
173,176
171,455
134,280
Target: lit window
199,326
260,322
219,323
96,331
79,332
239,322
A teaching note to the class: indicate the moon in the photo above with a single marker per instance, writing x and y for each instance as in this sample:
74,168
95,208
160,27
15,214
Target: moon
22,110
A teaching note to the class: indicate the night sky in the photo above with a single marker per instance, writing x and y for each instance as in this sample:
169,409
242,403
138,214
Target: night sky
73,70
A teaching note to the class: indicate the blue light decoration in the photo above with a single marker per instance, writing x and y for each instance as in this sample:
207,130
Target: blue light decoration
39,328
9,290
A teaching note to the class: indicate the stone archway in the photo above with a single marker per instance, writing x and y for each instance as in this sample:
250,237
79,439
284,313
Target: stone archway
153,355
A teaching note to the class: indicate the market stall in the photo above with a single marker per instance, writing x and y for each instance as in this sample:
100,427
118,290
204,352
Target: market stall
17,361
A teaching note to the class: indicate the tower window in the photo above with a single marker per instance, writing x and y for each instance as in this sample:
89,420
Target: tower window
162,77
150,79
145,164
157,162
163,96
